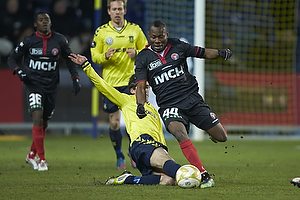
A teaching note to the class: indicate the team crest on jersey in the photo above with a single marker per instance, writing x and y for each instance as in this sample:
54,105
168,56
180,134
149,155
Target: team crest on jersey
174,56
213,115
131,39
109,41
54,51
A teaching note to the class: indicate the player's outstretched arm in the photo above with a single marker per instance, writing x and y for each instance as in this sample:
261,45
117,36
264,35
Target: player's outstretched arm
107,90
214,53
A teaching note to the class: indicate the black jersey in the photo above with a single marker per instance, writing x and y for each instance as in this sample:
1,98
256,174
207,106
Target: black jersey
40,56
168,75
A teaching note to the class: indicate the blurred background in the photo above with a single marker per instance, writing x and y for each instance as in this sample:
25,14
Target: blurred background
256,92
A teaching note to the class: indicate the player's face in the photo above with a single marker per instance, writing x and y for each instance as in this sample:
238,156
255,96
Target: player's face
158,37
43,24
117,12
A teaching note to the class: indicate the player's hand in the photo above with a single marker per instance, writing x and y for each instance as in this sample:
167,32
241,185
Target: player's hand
131,53
225,53
76,85
110,53
77,59
140,111
22,75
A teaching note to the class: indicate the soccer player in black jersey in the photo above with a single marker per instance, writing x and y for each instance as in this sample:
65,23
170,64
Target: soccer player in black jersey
163,64
40,73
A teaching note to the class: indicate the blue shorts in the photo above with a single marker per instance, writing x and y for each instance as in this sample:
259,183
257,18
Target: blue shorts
110,107
38,100
141,151
192,110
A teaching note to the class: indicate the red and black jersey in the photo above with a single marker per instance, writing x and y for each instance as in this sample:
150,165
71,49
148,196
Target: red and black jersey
168,74
40,56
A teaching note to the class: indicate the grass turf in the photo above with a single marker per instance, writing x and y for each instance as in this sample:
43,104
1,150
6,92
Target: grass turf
79,166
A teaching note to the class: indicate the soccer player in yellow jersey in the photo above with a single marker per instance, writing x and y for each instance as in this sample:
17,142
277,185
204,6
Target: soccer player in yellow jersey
115,46
148,147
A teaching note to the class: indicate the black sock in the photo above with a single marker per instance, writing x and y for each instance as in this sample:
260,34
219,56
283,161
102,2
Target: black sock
116,139
171,167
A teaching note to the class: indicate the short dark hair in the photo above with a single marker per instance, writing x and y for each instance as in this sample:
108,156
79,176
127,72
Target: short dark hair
39,13
158,23
132,82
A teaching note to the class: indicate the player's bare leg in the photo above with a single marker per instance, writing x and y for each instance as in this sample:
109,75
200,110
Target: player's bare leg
218,133
178,130
114,120
159,157
165,179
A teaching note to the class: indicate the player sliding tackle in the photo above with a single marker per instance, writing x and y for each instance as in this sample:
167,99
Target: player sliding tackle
148,147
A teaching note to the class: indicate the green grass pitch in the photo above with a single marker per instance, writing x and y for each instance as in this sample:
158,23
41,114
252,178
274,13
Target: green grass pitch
79,166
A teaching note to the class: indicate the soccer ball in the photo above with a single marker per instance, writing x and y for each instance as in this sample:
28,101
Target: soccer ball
188,176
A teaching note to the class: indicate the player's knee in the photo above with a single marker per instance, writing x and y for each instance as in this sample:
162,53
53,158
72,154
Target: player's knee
114,124
180,136
178,131
223,138
218,133
224,135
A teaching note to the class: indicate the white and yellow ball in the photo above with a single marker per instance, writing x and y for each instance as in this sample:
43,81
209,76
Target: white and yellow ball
188,176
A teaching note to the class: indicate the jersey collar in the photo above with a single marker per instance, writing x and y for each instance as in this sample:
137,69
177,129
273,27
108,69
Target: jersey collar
43,36
163,53
112,27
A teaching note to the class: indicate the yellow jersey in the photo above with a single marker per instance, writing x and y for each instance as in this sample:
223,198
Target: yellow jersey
135,126
117,69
